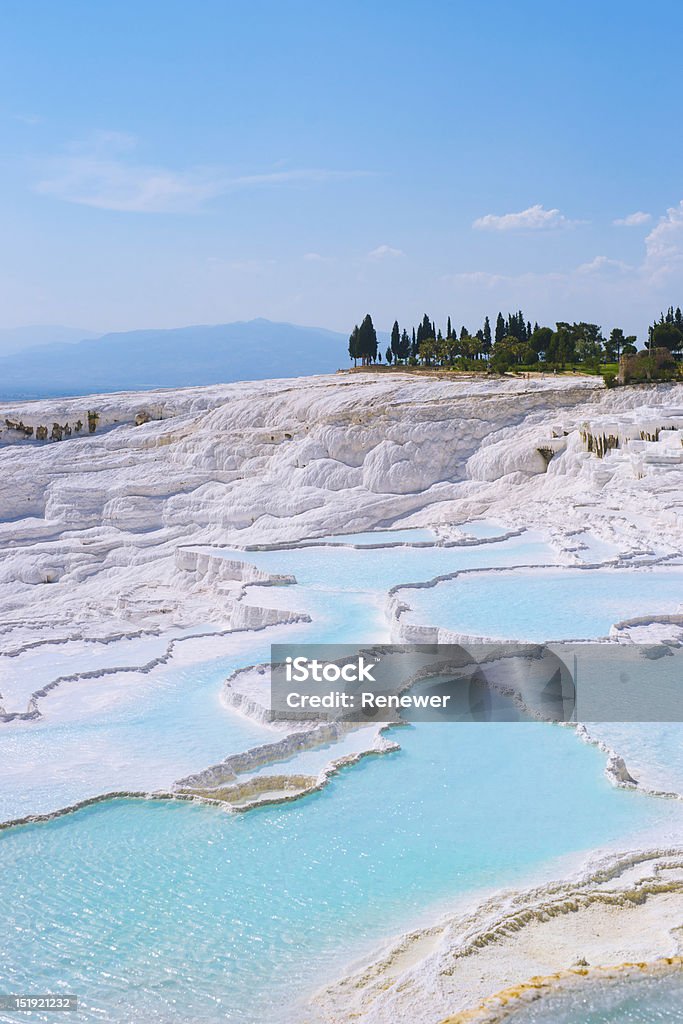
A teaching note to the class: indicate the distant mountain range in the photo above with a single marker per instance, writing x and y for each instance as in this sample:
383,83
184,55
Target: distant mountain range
182,356
15,339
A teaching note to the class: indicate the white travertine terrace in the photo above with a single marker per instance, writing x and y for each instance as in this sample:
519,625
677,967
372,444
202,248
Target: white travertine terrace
107,537
100,531
617,909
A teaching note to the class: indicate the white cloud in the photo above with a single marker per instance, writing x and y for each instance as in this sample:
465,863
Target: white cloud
101,173
383,252
604,289
482,280
315,257
602,265
664,245
535,218
633,220
578,276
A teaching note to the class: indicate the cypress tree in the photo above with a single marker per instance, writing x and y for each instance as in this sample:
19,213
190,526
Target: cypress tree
501,330
367,340
449,332
516,326
395,339
486,334
353,345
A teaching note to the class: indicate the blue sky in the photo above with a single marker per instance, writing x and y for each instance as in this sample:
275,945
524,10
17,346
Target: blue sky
168,163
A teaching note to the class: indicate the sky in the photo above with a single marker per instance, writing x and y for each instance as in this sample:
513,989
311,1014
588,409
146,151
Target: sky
167,163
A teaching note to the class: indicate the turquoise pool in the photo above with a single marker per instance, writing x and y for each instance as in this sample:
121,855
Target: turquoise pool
546,604
171,912
168,912
172,722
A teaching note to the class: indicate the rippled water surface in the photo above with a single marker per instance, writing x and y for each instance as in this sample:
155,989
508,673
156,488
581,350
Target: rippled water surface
169,912
641,1000
144,733
546,604
172,912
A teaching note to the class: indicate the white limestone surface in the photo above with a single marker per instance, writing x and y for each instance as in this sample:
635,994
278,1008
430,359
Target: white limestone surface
617,909
100,530
105,538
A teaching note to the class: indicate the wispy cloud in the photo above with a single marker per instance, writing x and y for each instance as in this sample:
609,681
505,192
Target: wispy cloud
664,245
535,218
641,287
384,252
604,265
633,220
599,266
481,279
662,259
604,288
103,173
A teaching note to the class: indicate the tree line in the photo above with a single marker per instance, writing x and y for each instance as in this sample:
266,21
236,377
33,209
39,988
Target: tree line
667,332
513,343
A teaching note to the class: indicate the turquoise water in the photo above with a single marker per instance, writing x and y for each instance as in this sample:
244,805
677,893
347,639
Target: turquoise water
640,1000
546,604
163,731
169,912
374,537
165,726
479,528
653,752
377,569
172,722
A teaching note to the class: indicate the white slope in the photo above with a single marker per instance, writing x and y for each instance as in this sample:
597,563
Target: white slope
95,528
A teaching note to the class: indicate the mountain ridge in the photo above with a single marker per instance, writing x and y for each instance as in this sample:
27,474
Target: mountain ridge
194,355
20,339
